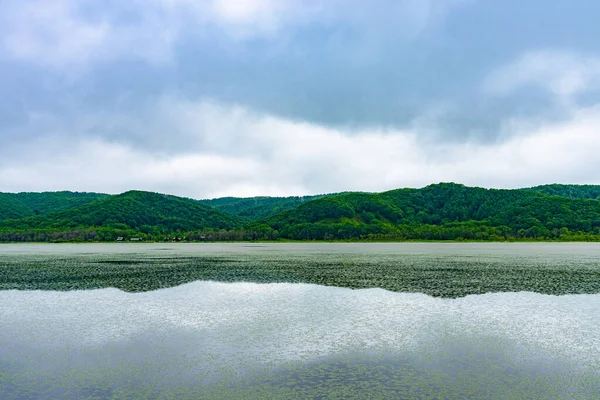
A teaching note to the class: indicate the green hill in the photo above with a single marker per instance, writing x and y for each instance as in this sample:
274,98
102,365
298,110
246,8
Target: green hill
257,208
445,211
19,205
11,207
570,191
438,212
131,213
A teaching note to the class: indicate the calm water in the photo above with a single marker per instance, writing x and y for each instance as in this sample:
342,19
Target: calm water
556,250
278,340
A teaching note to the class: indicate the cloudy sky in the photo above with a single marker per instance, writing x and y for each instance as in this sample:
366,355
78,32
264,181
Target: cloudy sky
287,97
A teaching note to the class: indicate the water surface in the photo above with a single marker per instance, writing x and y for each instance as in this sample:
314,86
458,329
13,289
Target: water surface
246,340
277,338
439,269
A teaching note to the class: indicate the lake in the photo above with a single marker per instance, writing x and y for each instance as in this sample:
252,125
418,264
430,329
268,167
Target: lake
255,325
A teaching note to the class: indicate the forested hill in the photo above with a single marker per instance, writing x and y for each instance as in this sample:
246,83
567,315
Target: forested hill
444,211
257,208
10,207
19,205
570,191
439,212
130,213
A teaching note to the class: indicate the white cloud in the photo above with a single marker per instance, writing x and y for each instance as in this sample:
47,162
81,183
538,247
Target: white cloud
233,151
243,11
562,73
239,18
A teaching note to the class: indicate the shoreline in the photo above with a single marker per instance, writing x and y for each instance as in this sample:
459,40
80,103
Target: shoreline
312,241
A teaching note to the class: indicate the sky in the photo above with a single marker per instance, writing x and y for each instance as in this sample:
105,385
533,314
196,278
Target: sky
289,97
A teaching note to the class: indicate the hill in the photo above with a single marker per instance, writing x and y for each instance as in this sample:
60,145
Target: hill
20,205
445,211
257,208
570,191
10,207
131,213
439,212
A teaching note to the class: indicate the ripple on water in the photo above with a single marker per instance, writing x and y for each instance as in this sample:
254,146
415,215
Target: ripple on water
296,340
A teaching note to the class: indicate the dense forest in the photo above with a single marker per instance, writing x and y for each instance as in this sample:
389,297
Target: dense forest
135,213
19,205
440,212
258,208
570,191
445,211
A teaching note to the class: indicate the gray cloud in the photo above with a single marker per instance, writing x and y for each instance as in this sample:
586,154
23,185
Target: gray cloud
183,84
563,74
211,150
338,63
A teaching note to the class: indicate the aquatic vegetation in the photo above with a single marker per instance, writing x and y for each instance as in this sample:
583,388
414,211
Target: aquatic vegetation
432,269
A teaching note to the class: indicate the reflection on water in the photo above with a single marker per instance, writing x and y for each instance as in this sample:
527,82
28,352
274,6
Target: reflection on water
220,340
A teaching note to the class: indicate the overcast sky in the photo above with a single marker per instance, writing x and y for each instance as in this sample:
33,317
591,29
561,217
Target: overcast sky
288,97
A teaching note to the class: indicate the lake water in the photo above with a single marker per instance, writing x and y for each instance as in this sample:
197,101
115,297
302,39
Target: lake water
208,339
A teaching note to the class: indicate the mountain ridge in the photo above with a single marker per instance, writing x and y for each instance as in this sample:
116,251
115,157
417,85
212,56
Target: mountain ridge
24,204
260,207
443,211
132,212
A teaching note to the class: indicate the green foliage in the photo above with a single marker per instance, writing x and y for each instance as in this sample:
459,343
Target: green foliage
19,205
570,191
10,207
444,211
134,212
258,208
49,202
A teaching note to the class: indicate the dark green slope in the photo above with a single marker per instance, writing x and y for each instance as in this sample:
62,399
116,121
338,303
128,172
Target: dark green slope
257,208
48,202
442,211
144,211
570,191
19,205
437,212
10,207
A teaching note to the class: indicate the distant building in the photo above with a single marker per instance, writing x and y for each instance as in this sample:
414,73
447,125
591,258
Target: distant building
135,239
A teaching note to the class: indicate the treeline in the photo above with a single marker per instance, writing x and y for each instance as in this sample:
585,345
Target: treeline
308,232
440,212
258,208
455,231
111,235
149,213
97,234
570,191
437,212
77,235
